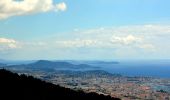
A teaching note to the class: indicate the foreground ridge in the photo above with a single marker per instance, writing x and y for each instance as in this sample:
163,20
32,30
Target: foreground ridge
24,87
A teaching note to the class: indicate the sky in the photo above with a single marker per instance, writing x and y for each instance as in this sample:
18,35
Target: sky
84,29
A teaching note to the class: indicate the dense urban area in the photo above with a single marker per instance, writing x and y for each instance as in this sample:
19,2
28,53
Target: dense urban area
102,82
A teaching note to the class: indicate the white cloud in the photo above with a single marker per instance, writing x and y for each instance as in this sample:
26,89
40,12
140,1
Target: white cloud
61,6
147,29
124,41
147,46
7,44
145,36
34,43
12,46
137,37
129,39
10,8
77,43
5,40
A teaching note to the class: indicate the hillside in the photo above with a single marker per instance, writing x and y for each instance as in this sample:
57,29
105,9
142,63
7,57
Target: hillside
45,65
21,87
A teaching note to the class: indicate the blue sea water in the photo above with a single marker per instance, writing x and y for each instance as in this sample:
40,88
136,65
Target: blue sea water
151,68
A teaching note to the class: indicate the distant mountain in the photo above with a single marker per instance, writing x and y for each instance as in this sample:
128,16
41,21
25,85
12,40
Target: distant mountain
51,65
46,63
21,87
93,62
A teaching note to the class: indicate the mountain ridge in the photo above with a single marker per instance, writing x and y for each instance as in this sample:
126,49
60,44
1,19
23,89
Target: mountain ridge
22,87
52,65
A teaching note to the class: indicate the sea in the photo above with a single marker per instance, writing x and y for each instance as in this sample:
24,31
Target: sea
148,68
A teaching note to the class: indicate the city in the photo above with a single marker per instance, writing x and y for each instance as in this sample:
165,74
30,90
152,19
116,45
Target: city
115,85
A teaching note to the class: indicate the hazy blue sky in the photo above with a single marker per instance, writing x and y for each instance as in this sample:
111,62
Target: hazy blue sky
84,29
